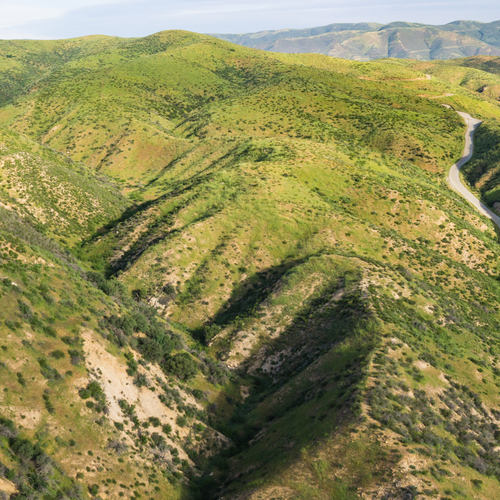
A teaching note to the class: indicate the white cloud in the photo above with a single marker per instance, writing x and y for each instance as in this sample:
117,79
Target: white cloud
11,14
27,11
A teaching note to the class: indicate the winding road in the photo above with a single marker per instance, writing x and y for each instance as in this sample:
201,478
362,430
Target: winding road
454,175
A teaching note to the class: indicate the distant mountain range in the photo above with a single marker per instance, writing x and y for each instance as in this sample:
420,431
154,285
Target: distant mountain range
367,41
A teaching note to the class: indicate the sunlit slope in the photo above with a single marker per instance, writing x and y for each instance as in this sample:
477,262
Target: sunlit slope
304,264
118,107
307,258
489,64
24,62
335,301
63,198
480,76
133,109
85,409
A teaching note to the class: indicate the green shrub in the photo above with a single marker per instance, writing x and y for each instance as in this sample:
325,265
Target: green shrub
154,421
141,380
94,489
21,379
95,390
58,354
181,365
209,332
47,371
84,393
181,421
198,394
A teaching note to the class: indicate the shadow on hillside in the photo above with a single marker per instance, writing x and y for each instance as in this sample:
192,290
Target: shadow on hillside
253,291
319,384
158,231
127,214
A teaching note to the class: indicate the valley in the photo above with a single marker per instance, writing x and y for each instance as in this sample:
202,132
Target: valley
230,273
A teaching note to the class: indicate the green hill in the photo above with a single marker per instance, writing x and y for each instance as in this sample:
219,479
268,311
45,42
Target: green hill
283,300
61,197
367,41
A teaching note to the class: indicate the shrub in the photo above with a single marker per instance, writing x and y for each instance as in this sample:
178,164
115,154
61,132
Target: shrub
48,405
198,394
151,350
21,379
94,489
158,439
23,448
181,365
95,390
84,393
181,421
77,356
47,371
58,354
50,331
154,421
209,332
117,446
141,380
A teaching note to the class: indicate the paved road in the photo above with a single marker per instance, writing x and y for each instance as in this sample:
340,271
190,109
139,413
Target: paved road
454,176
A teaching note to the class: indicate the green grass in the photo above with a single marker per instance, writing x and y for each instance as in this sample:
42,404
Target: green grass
292,222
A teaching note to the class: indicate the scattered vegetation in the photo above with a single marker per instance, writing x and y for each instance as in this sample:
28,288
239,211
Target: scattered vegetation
284,279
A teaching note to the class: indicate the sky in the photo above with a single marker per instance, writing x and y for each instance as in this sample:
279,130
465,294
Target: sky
53,19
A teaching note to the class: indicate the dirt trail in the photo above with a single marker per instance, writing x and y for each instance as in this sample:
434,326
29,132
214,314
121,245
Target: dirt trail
426,77
435,96
454,175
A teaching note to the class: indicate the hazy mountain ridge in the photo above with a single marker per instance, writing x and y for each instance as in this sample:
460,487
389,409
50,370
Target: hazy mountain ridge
367,41
286,300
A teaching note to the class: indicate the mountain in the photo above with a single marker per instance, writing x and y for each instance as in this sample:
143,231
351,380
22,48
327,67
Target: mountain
367,41
229,273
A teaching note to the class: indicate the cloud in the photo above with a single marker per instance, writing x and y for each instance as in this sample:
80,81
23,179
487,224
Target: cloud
11,15
142,17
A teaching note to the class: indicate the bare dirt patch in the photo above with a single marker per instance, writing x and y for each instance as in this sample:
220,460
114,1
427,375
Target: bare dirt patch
7,487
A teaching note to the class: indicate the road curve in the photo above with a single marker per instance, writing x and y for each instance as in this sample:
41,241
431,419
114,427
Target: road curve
454,175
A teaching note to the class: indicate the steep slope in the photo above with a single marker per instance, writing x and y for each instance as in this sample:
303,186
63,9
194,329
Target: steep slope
296,306
124,101
82,414
367,41
62,198
24,62
488,64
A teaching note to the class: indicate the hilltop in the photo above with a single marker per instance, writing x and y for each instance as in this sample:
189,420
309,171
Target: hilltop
367,41
229,273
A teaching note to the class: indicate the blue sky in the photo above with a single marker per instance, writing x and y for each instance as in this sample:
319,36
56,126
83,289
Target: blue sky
52,19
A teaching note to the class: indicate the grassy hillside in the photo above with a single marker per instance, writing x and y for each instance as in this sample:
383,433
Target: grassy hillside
293,304
64,199
480,76
83,410
140,107
24,62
